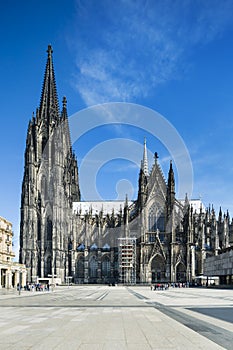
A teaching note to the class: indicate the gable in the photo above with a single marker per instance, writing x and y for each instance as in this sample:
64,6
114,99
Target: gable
156,186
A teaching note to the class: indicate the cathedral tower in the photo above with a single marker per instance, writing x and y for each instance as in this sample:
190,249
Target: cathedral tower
50,185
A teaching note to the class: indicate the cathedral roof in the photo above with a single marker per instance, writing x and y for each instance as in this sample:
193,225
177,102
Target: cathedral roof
95,207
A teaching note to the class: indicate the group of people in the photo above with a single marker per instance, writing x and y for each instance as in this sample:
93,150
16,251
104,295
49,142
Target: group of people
165,286
38,287
159,286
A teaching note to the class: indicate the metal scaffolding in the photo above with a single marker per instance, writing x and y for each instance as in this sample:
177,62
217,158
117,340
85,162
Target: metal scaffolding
127,260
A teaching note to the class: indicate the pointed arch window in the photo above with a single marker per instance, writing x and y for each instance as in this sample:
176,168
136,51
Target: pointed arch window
49,229
44,149
156,219
93,267
38,229
80,267
105,267
44,187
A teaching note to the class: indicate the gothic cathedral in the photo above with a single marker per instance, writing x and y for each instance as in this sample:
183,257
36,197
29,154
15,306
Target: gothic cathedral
154,239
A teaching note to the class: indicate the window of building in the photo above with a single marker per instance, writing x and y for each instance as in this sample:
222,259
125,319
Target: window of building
93,266
106,267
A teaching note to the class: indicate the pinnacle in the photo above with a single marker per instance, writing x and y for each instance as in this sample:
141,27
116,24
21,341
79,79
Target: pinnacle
64,102
50,50
145,160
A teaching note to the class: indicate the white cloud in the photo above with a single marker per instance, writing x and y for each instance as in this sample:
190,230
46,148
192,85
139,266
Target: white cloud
122,167
126,48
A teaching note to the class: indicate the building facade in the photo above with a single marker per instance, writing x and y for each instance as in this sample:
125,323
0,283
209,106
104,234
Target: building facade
50,185
11,273
220,267
156,238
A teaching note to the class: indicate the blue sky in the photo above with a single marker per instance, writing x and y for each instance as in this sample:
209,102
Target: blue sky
174,57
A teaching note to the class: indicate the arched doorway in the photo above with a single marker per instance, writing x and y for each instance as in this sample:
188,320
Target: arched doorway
105,269
181,273
158,269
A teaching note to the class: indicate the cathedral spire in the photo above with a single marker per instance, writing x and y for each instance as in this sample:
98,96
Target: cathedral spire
145,160
170,188
49,107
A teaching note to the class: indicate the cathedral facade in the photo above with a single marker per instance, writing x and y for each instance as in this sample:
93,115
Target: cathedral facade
153,239
50,185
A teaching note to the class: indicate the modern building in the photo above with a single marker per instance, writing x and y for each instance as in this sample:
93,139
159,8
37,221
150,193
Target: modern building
156,238
218,269
11,273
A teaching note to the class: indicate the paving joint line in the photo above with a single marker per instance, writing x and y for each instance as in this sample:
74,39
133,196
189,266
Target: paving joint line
204,328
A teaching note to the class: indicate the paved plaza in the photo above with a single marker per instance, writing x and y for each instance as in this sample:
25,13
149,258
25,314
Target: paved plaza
103,317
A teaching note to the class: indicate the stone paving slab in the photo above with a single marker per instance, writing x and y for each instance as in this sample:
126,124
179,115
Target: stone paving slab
120,320
122,330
